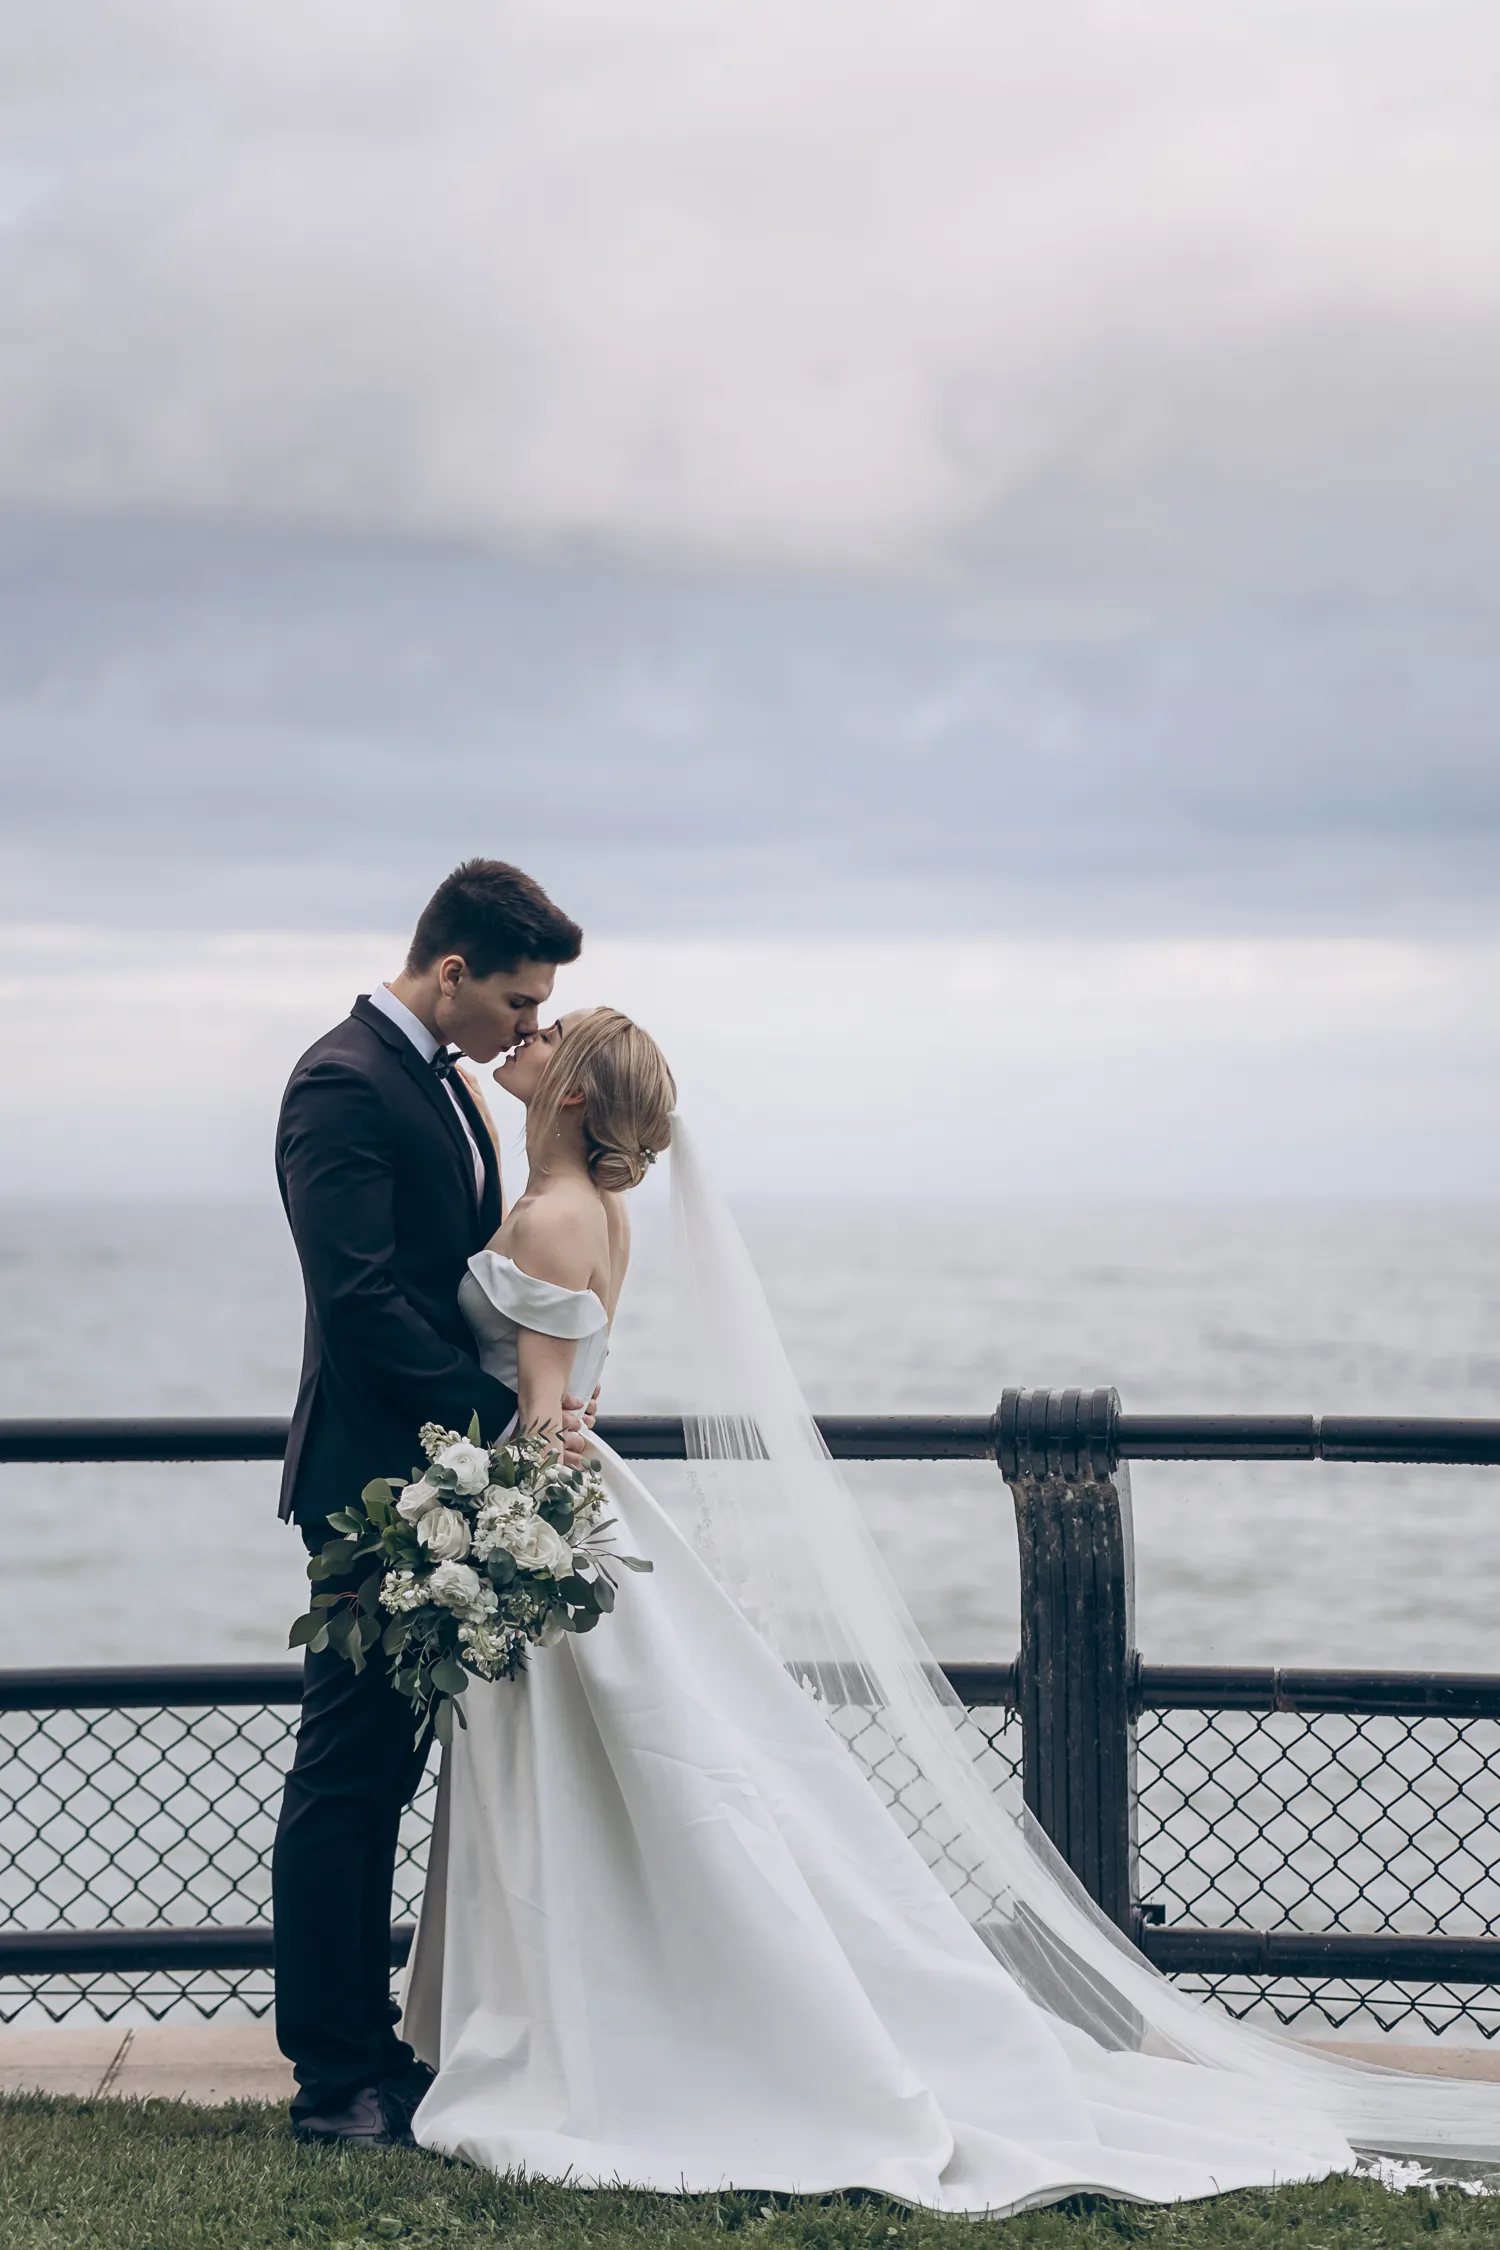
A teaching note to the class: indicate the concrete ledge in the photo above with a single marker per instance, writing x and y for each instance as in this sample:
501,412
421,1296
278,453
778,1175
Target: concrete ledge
207,2063
239,2062
1430,2062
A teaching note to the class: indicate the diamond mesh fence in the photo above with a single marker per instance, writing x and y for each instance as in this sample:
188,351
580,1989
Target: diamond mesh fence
150,1819
1325,1820
164,1817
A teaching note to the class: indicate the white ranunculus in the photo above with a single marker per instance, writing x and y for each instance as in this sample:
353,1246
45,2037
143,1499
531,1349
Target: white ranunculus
415,1501
468,1465
445,1534
401,1589
534,1545
455,1586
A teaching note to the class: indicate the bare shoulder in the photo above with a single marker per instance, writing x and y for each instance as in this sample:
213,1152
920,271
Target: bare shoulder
559,1237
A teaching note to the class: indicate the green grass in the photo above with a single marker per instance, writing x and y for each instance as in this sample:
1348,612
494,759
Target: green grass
163,2176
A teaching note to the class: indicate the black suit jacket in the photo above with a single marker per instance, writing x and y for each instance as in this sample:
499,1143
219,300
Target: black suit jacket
378,1183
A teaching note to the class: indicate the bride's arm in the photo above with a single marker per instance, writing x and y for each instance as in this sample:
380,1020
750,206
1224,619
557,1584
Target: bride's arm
558,1246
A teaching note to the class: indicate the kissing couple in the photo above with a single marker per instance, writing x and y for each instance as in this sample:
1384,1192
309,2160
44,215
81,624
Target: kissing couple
716,1895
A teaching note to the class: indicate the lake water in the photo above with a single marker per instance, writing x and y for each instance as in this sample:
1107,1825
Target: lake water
195,1309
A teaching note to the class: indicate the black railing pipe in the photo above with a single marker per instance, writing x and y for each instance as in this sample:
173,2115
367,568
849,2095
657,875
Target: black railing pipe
649,1437
1324,1953
31,1953
1159,1687
1226,1952
850,1437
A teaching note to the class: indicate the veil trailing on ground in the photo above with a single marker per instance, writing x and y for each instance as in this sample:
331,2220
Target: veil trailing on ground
783,1535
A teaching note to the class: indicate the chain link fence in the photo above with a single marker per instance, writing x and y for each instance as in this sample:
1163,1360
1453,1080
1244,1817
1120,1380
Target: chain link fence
154,1818
163,1817
1325,1820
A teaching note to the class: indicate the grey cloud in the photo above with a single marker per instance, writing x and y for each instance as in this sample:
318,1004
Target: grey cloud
251,729
967,466
760,282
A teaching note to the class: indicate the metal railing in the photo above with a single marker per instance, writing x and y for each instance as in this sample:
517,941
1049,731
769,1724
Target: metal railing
1299,1839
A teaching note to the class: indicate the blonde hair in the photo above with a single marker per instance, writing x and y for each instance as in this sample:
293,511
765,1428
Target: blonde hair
628,1096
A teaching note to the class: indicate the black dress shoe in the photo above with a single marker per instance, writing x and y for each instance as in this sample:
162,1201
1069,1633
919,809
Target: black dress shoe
370,2118
406,2093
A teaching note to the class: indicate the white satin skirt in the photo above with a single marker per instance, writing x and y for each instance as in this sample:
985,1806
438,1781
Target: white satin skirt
673,1940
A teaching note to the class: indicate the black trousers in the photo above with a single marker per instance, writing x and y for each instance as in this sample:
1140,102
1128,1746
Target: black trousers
355,1770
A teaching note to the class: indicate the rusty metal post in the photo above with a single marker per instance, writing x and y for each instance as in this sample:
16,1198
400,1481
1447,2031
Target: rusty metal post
1076,1677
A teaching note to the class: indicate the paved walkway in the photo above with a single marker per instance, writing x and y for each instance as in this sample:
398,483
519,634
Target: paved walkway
238,2062
209,2063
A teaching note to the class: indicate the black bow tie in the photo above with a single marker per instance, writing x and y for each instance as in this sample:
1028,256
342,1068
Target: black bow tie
444,1063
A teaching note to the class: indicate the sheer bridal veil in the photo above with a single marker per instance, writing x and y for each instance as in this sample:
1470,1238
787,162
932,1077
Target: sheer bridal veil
781,1532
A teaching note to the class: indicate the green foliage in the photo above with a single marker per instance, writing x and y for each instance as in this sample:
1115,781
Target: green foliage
426,1647
167,2176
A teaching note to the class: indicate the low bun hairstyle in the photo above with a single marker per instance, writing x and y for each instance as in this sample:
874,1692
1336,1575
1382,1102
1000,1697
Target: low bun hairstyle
628,1096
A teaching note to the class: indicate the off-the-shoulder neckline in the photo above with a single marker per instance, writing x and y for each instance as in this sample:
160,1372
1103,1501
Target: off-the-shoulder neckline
536,1280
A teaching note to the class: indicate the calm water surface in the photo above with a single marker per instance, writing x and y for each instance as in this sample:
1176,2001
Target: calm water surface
196,1310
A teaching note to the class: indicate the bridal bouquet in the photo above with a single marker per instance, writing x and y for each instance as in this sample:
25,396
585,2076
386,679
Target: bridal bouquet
485,1552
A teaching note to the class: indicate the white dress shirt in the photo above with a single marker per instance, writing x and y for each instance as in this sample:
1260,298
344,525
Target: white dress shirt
421,1038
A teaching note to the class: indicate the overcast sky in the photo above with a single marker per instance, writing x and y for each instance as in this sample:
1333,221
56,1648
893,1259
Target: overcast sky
813,475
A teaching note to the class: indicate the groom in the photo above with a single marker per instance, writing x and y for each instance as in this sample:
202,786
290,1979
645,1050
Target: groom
391,1183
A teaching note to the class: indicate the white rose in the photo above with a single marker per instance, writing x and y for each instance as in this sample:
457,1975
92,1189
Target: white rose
445,1534
469,1465
536,1546
457,1587
415,1501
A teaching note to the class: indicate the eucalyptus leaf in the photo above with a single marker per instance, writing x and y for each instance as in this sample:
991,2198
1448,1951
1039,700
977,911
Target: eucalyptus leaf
474,1436
442,1720
583,1620
633,1562
319,1641
604,1593
378,1488
369,1594
393,1636
305,1630
450,1676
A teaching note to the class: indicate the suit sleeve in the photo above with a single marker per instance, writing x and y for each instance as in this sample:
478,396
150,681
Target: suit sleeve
336,1173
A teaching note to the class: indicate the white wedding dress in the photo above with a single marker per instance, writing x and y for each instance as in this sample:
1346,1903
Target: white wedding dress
672,1937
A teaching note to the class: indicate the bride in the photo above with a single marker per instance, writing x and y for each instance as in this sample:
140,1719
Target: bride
674,1935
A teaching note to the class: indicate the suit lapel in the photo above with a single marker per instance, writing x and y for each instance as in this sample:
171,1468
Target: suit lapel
432,1086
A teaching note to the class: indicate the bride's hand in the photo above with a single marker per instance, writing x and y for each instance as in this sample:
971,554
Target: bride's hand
590,1412
574,1425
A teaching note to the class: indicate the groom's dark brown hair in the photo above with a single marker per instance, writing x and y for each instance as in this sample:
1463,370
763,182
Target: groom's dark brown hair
494,916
